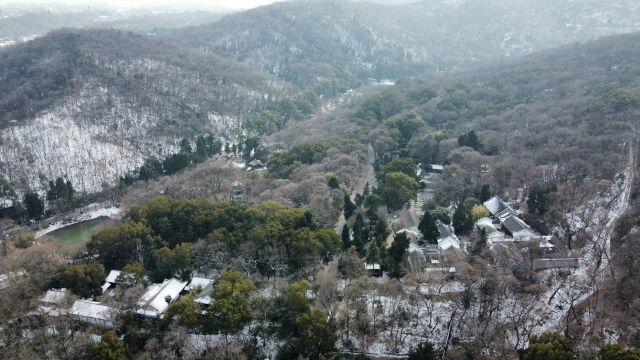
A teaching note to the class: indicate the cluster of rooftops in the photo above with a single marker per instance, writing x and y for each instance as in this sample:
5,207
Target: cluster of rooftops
152,304
507,220
504,225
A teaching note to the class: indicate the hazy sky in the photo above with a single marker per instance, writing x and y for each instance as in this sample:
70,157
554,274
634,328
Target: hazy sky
203,4
234,4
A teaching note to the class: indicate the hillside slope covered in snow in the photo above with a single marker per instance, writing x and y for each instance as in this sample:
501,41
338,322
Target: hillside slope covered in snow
91,105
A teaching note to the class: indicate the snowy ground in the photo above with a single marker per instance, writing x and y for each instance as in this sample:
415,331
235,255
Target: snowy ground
66,142
433,310
594,257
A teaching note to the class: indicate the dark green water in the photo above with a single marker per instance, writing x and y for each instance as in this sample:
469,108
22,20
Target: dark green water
81,232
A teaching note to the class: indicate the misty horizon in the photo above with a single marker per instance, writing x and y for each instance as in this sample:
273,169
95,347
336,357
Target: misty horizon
144,4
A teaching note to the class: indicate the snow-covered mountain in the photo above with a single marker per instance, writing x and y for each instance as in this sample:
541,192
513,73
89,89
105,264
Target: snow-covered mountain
31,21
92,105
302,40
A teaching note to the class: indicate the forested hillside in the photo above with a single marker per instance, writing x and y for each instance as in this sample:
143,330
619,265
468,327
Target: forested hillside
446,179
553,116
300,41
92,104
18,27
553,133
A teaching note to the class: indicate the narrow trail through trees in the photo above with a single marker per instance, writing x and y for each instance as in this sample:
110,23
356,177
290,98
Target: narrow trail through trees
370,178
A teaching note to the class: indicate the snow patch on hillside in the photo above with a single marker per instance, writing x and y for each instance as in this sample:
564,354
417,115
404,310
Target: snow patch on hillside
92,149
594,256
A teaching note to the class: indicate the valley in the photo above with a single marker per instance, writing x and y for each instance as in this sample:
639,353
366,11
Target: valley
324,180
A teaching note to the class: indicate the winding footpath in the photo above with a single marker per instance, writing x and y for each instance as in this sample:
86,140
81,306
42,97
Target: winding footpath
359,188
574,291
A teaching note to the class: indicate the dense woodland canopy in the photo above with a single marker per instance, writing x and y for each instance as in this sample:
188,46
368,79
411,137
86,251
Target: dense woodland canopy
264,234
556,116
179,84
343,39
323,212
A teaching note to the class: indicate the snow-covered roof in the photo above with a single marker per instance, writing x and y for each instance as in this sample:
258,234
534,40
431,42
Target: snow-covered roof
509,220
5,202
517,227
495,205
110,280
431,249
505,213
495,237
86,310
206,284
525,235
451,269
448,243
372,266
153,302
54,296
545,242
105,286
113,276
412,231
486,224
444,229
204,300
437,167
198,282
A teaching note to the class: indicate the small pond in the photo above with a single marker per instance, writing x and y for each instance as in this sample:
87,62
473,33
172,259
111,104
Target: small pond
81,232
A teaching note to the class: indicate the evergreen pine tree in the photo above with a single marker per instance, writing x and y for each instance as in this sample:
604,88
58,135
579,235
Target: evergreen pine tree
34,205
381,230
373,253
346,240
462,222
470,139
367,190
359,234
485,193
424,351
359,200
70,191
428,228
333,183
396,254
185,146
349,206
61,188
